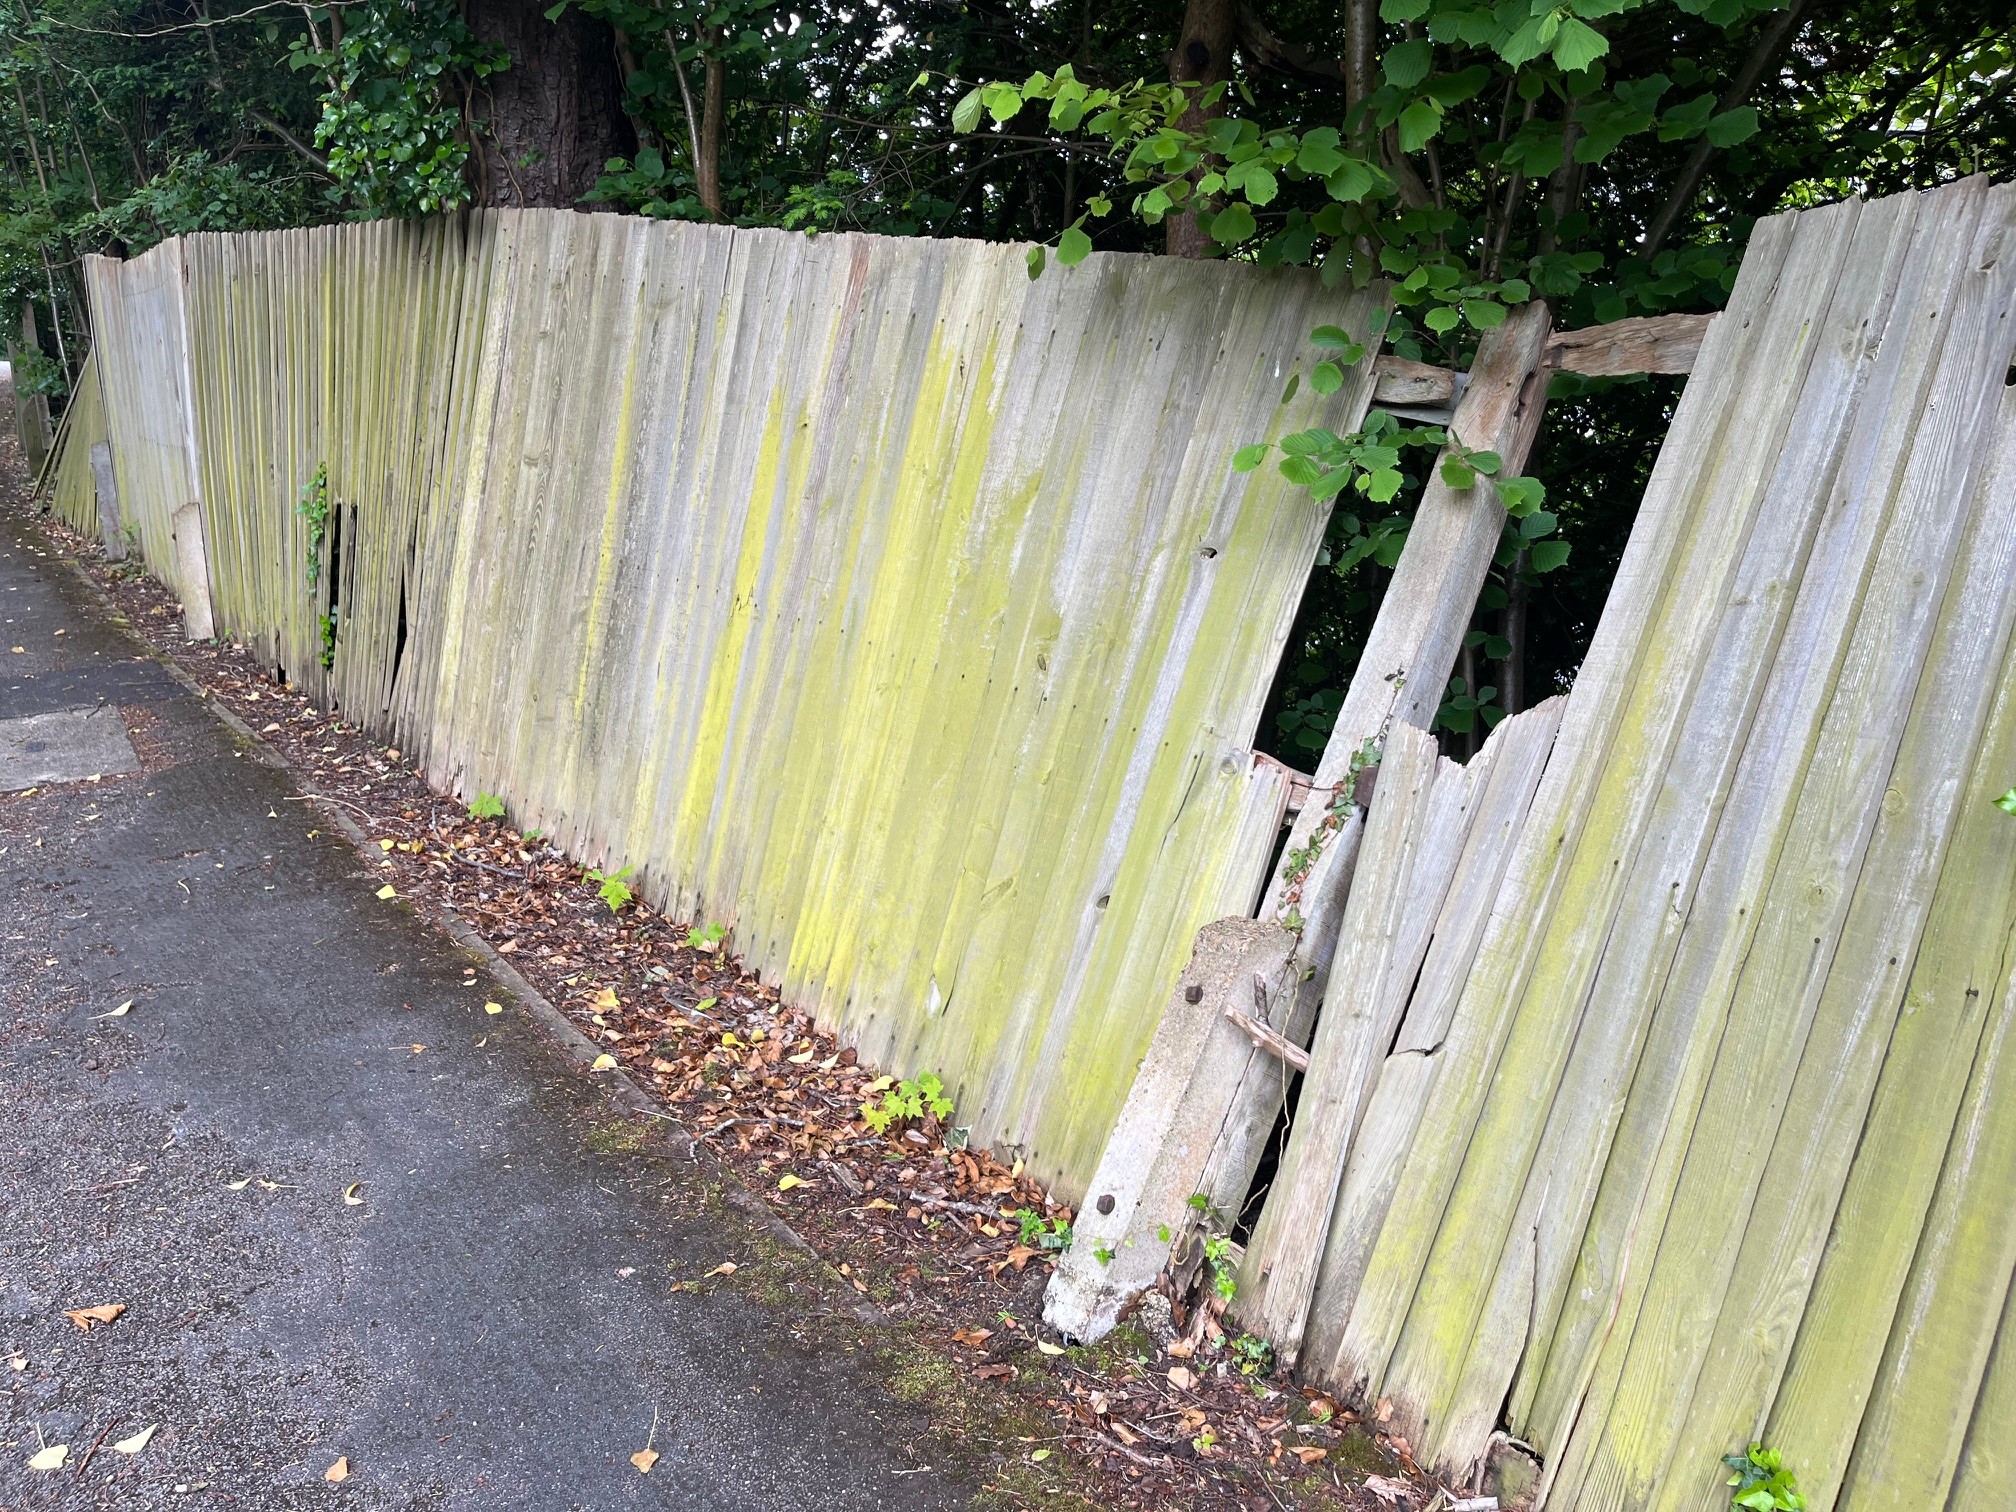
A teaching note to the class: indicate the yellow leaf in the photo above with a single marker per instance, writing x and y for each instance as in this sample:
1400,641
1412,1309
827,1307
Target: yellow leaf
1046,1347
644,1459
386,844
607,998
388,891
878,1205
52,1457
120,1012
352,1194
493,1007
799,1059
605,1062
88,1318
785,1183
730,1042
830,1062
880,1084
136,1443
338,1471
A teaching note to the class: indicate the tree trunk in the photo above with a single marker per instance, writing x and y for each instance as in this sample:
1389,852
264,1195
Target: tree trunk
556,114
713,115
1203,55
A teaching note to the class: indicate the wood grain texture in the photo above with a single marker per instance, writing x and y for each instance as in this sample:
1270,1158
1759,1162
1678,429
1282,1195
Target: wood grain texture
900,613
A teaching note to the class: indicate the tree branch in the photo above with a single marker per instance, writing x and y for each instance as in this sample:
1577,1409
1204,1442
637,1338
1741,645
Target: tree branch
1771,42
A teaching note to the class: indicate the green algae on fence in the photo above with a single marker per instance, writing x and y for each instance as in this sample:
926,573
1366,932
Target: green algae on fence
899,612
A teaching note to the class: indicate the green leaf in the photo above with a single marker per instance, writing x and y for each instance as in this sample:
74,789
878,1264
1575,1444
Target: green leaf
1350,183
1578,44
1232,225
1486,462
1420,123
1397,11
1407,64
1547,555
966,114
1441,320
1457,473
1035,258
1326,378
1484,314
1073,247
1003,101
1257,183
1733,126
1318,155
1288,389
1529,41
1332,338
1249,457
2007,802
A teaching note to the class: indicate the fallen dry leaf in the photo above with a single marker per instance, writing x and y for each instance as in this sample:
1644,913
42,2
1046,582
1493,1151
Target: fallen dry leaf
1181,1349
353,1194
387,891
239,1185
1020,1256
995,1372
606,999
785,1183
1044,1346
1387,1489
604,1062
1383,1413
338,1471
136,1443
493,1007
725,1268
88,1318
50,1457
1181,1377
644,1459
1307,1453
973,1338
120,1012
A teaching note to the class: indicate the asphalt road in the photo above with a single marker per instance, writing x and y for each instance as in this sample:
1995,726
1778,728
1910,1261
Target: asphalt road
490,1326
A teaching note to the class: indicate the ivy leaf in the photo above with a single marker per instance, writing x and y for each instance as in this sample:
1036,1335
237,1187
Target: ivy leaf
1733,126
966,114
1073,247
1407,64
1578,44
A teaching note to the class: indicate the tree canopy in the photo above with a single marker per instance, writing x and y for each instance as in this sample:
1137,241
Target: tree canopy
1607,155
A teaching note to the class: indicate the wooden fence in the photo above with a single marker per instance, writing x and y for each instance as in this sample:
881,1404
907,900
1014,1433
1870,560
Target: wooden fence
899,612
1665,1100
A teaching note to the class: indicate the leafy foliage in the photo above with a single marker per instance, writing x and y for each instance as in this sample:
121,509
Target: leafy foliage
486,806
1762,1483
906,1102
611,888
393,121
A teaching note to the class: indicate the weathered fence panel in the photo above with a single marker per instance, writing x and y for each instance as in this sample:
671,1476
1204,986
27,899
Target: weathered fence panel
1719,1141
864,595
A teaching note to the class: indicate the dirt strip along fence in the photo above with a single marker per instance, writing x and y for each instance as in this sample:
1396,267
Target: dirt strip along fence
899,612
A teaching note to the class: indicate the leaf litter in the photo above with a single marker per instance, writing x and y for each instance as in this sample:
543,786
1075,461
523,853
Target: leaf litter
931,1230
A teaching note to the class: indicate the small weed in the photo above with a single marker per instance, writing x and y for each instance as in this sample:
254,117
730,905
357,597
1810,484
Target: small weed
2007,802
1103,1252
906,1102
1043,1233
705,938
1762,1483
314,508
1254,1356
326,623
486,806
611,888
1218,1247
